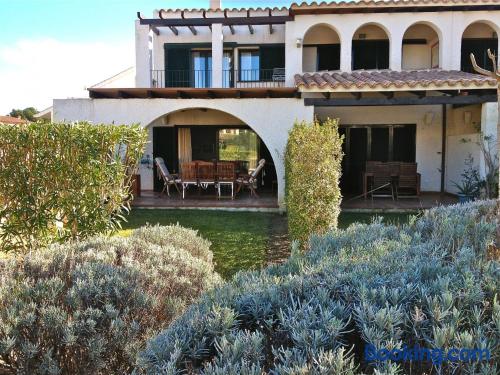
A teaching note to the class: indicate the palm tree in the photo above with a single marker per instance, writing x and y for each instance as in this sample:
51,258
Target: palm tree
495,73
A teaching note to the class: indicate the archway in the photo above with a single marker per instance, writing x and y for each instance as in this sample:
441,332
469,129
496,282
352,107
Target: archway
421,47
370,47
202,134
321,49
477,38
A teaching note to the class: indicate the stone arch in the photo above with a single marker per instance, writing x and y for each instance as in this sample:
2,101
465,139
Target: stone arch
418,56
206,115
321,48
476,38
369,49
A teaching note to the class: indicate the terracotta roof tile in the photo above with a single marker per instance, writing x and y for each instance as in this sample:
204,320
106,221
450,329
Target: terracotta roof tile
386,79
387,3
11,120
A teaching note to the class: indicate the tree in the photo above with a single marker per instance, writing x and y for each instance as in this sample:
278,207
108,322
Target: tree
26,113
495,73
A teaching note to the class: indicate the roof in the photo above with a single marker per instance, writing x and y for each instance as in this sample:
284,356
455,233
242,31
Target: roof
117,76
45,114
387,4
308,7
191,93
12,120
387,80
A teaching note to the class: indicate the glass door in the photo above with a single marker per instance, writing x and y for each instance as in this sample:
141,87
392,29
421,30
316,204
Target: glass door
201,69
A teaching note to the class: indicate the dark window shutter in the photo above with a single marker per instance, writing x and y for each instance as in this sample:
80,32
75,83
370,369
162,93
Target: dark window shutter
177,66
329,57
271,57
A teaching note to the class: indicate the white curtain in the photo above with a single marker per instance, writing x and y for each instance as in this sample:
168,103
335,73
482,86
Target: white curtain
185,151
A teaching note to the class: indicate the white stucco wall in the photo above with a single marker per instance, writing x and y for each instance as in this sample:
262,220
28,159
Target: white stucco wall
271,119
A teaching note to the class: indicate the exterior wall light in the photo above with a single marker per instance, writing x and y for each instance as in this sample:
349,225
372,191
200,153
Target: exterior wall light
298,42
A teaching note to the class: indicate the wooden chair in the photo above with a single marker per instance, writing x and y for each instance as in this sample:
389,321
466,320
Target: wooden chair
382,181
188,176
205,173
368,175
408,180
226,175
250,179
167,178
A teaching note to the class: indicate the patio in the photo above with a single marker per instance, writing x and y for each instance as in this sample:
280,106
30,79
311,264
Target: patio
267,202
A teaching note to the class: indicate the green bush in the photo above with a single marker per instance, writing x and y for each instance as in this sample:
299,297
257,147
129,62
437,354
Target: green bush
64,181
88,307
431,282
313,159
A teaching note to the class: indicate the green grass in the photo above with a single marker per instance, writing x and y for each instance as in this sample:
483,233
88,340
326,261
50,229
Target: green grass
239,239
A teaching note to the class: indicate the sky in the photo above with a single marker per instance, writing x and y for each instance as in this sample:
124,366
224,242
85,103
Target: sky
54,49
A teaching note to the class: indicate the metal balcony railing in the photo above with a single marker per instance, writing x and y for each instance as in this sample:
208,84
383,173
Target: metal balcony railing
231,78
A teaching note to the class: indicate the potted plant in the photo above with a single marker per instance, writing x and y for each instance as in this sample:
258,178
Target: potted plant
470,186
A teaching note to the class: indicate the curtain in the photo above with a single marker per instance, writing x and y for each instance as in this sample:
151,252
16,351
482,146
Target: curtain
185,152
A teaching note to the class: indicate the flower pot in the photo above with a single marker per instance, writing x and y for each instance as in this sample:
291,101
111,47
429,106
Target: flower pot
464,198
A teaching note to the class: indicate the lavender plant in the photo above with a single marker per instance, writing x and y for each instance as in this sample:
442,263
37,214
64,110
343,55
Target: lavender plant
430,283
88,307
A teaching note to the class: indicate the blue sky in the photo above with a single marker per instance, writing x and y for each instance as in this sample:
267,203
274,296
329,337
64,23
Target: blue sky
55,48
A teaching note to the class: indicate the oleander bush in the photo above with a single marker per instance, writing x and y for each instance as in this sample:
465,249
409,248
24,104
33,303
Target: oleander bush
313,158
88,307
64,181
432,283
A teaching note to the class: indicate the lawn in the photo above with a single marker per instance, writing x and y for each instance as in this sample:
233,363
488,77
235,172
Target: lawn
240,240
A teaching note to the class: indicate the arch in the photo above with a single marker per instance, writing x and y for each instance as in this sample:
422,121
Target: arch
477,38
422,46
371,46
321,48
197,116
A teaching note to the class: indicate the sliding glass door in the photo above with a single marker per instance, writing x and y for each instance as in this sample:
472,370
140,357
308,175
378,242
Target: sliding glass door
377,143
202,69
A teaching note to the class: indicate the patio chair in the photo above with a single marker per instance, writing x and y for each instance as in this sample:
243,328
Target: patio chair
250,179
167,178
205,173
408,180
382,181
226,175
188,176
368,175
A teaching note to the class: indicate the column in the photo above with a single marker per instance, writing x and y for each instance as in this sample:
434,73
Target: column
395,51
142,56
217,54
489,123
346,52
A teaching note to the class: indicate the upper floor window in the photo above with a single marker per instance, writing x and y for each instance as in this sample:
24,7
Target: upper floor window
321,49
249,65
476,39
370,48
420,48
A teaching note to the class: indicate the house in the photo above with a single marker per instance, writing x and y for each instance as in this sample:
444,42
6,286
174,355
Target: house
396,73
12,120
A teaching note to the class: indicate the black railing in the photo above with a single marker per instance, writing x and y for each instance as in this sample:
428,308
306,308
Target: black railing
181,78
245,78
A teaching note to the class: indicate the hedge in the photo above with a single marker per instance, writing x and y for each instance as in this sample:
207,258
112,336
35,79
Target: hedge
313,160
88,307
432,283
64,181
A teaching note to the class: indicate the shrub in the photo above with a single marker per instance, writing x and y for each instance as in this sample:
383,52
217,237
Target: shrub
88,307
64,181
430,283
313,159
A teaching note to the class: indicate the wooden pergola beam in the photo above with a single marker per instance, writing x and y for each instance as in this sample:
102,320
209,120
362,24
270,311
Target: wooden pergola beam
405,100
235,21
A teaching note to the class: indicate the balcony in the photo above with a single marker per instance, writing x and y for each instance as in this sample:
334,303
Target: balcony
246,78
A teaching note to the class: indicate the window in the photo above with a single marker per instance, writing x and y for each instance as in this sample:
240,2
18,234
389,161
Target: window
328,57
249,65
370,54
227,69
239,145
202,69
479,47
